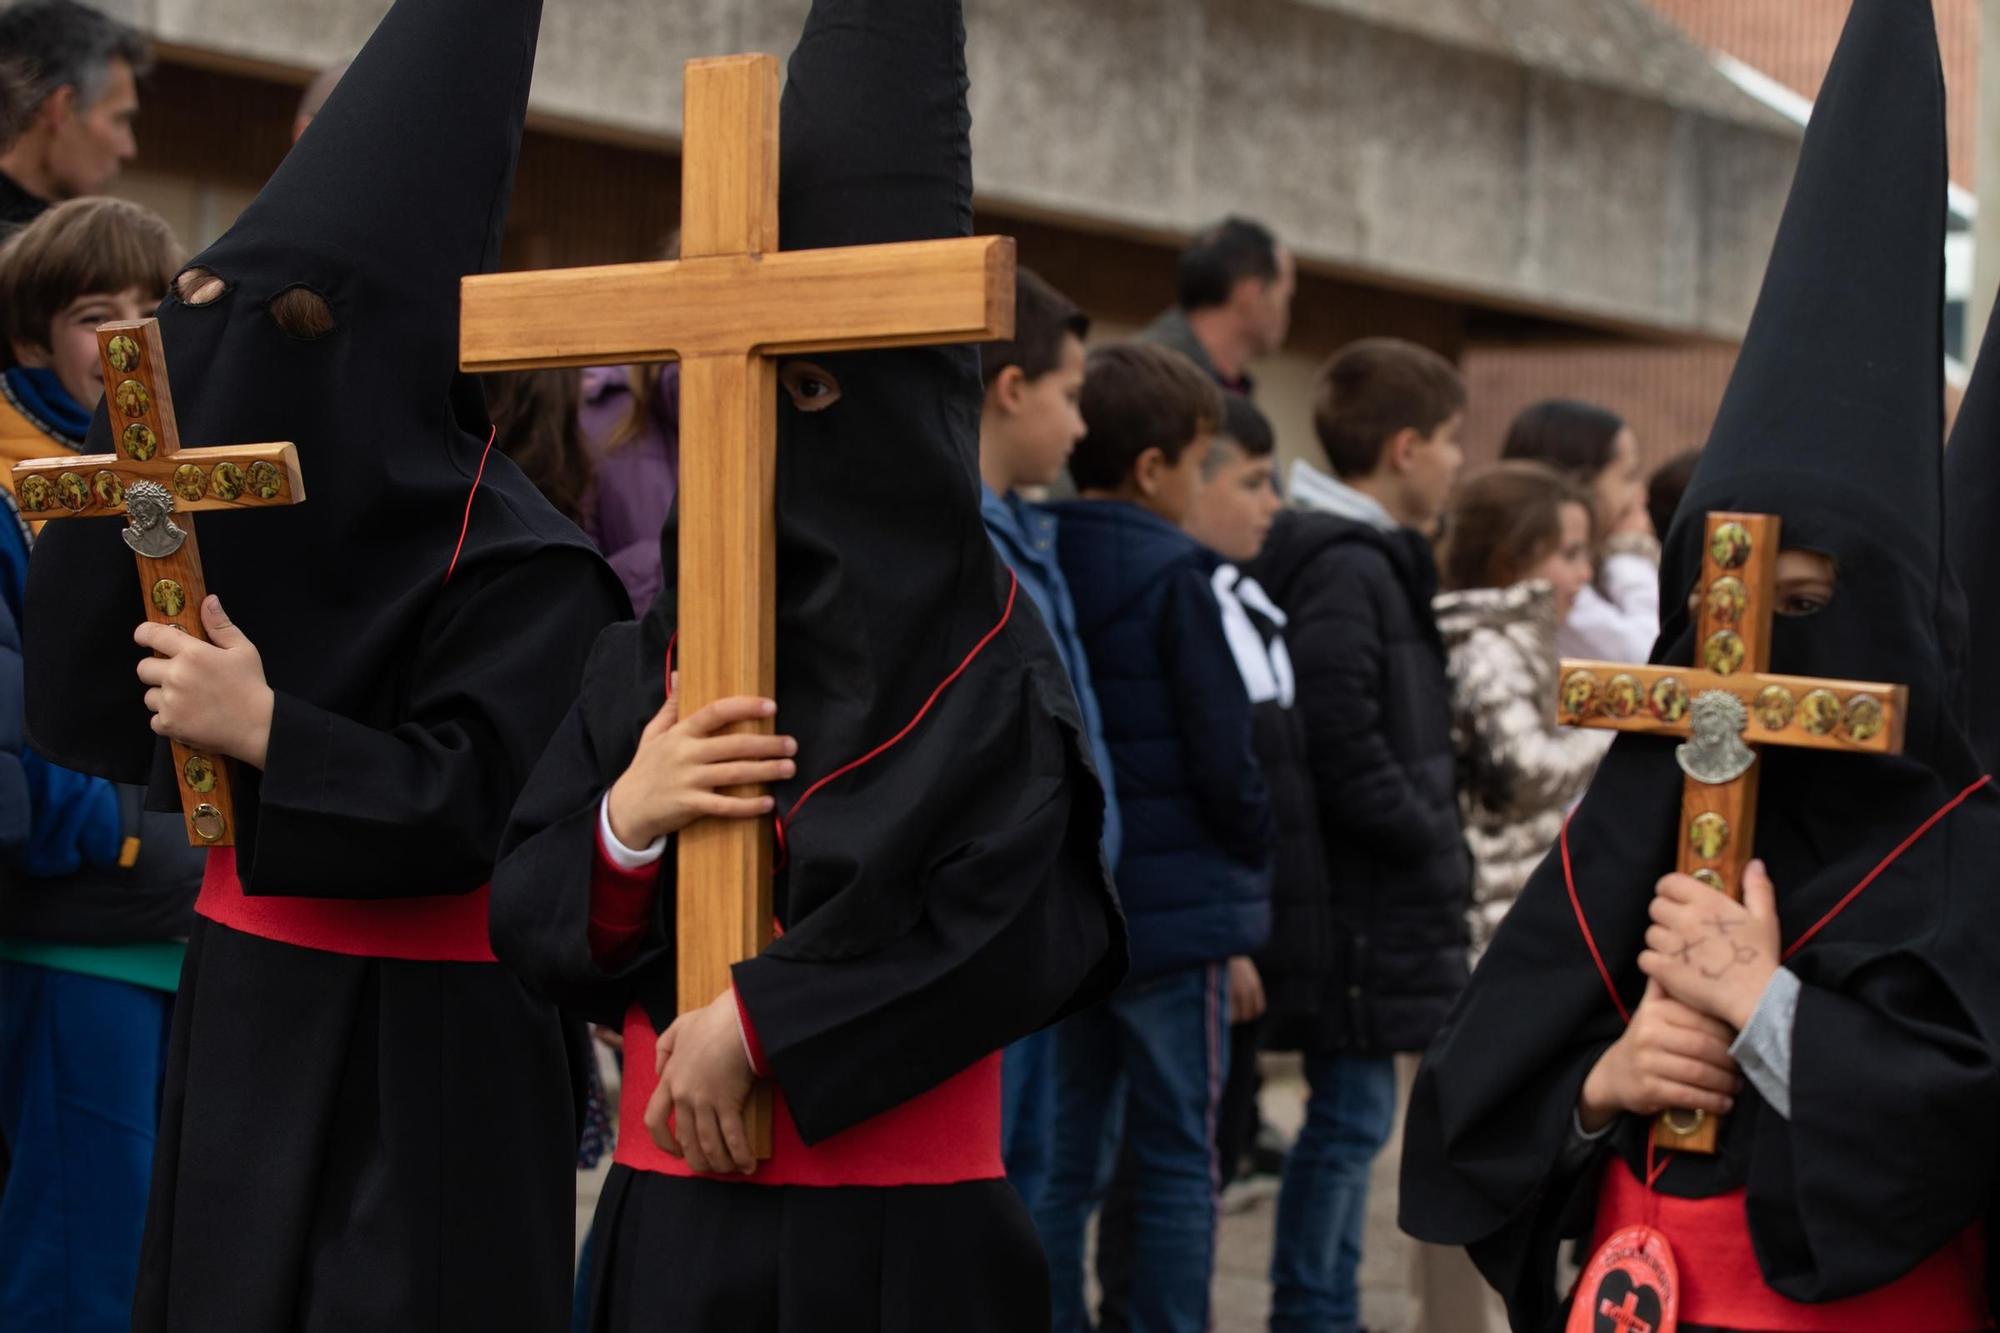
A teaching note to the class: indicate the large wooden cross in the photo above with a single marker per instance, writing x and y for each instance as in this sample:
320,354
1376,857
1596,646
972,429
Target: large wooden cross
726,310
149,481
1722,708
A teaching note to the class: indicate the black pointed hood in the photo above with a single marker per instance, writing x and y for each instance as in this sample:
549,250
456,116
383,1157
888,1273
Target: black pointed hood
1833,422
1833,419
399,188
1972,536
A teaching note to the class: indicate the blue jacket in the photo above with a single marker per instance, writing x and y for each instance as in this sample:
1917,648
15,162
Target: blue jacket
1025,536
1194,874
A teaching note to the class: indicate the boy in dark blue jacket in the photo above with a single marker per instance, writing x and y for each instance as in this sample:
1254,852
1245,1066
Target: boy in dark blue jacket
1193,872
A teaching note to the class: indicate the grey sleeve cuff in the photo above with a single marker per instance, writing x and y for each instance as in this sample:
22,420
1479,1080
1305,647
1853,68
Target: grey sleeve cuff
1581,1142
1764,1048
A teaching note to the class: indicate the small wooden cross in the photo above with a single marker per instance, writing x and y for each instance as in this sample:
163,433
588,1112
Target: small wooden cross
148,482
1722,709
727,310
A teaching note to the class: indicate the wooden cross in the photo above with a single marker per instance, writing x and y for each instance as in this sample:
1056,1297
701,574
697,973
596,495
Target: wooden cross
150,482
1721,709
726,310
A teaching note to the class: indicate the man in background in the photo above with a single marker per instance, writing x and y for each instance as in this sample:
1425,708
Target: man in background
82,70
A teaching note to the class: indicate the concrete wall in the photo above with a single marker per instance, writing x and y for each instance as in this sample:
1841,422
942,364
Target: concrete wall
1568,157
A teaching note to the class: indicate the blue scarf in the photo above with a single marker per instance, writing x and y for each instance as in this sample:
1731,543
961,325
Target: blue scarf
39,394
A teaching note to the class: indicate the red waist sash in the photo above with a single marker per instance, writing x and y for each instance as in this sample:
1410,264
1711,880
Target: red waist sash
1722,1287
946,1136
447,928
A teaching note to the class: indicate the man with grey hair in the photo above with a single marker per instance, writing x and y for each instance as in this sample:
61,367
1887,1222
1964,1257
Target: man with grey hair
83,73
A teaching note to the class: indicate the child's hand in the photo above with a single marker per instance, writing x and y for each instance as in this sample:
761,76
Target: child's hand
696,1111
676,776
211,696
1711,953
1670,1058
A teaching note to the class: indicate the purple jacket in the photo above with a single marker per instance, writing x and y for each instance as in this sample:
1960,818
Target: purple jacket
636,480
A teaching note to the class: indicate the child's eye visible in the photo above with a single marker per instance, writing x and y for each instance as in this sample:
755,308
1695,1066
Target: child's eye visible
812,388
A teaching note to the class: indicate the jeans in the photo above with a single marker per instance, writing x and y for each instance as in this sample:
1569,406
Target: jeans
1160,1048
1323,1203
82,1060
1028,1113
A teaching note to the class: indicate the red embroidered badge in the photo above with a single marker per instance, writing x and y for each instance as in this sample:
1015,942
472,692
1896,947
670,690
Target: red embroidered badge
1631,1286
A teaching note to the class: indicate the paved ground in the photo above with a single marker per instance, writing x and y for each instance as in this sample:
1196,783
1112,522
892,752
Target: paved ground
1242,1291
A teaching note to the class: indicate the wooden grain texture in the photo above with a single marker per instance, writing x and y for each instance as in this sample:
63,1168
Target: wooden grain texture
1738,598
139,398
168,470
727,647
915,294
729,156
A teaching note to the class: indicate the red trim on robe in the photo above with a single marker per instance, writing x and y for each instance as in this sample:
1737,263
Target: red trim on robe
1722,1287
946,1136
445,928
621,906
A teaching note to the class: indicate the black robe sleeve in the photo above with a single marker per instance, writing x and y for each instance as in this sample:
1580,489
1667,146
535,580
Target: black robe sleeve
346,810
540,915
991,959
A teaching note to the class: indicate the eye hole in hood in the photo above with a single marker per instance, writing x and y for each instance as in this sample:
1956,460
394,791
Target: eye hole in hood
812,387
199,287
302,313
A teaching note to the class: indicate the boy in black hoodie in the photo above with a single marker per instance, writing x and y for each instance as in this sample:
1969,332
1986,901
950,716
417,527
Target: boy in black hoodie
1193,870
1351,568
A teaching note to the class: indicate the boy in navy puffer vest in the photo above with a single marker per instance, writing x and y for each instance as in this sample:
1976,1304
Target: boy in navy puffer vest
1194,870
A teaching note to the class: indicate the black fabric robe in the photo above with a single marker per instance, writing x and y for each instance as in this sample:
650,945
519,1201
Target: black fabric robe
1832,422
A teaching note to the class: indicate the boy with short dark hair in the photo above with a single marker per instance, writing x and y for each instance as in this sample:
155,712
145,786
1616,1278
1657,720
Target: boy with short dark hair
1029,424
1193,872
1351,567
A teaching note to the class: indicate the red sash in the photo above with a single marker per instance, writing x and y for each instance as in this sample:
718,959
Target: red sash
946,1136
447,928
1721,1286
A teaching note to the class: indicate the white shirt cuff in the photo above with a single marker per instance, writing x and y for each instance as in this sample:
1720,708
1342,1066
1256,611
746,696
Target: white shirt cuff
625,858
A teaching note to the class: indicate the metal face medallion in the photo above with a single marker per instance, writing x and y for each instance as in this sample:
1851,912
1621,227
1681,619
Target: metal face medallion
1711,879
72,491
132,398
1730,547
1715,753
149,529
1776,708
139,442
123,354
1622,696
1724,653
1708,834
35,493
190,482
227,482
1864,717
266,481
169,597
1669,699
110,491
209,825
199,773
1727,600
1819,712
